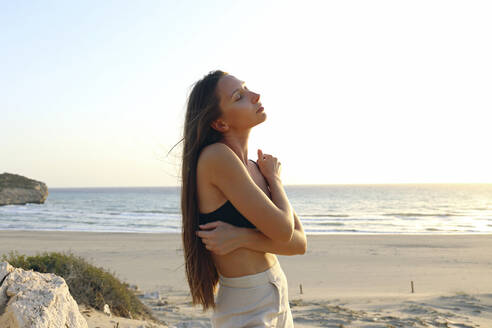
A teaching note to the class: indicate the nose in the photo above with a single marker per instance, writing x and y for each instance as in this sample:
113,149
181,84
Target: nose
256,98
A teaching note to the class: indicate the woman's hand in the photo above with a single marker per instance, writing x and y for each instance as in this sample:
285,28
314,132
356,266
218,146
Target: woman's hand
268,164
223,238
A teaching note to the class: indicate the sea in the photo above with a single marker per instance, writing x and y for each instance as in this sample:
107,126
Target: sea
323,209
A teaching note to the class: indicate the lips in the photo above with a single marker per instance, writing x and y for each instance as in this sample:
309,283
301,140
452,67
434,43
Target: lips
259,109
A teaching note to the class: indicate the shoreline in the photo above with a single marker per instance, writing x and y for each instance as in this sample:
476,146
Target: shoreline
307,234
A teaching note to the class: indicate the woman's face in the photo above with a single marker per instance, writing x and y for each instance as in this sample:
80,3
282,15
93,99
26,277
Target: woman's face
239,105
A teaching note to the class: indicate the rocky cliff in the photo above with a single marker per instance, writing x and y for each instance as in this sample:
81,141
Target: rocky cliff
16,189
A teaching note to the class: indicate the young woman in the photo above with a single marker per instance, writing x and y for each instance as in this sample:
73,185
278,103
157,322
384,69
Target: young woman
236,214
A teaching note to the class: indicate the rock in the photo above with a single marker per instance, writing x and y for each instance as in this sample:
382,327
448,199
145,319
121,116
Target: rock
18,190
191,324
29,299
161,303
107,311
152,295
5,269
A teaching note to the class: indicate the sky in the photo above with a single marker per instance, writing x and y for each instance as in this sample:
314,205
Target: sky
93,93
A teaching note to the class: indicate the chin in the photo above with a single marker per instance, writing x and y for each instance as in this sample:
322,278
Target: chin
261,120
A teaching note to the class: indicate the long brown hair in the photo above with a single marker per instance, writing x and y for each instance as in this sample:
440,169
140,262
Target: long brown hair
202,108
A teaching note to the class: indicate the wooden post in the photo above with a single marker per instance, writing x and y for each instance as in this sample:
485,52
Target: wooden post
412,286
300,288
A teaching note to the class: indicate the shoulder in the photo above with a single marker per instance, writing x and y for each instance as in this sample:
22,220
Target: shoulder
213,151
214,148
216,154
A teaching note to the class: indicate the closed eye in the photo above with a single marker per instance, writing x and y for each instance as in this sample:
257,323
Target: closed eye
240,94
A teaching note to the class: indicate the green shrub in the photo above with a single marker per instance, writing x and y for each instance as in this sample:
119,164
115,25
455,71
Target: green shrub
88,284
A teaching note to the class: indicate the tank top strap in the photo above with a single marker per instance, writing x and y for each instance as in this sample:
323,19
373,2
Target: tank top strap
254,162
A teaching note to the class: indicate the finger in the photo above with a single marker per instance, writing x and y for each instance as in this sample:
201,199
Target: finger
209,225
203,234
260,154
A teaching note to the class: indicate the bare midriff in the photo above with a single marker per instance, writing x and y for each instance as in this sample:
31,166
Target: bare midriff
243,261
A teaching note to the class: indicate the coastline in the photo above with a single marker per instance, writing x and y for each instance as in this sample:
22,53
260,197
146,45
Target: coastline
371,273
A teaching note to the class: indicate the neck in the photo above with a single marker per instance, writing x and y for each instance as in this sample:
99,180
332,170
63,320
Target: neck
238,142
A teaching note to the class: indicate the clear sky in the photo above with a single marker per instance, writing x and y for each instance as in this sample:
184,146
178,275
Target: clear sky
92,93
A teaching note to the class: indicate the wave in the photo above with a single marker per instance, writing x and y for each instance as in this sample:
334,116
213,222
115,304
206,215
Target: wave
149,211
330,223
421,214
325,215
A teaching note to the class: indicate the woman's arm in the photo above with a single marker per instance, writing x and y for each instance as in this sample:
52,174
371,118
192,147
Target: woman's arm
256,240
228,173
225,238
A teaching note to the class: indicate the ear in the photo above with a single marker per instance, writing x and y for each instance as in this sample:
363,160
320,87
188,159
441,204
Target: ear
219,125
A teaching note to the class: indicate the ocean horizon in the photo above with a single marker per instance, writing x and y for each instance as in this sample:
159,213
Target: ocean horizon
427,208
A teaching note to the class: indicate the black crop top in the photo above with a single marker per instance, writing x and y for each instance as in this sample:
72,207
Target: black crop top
227,213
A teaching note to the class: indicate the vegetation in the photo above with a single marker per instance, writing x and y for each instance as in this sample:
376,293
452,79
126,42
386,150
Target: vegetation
88,284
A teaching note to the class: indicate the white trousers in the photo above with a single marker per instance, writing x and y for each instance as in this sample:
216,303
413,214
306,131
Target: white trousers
256,300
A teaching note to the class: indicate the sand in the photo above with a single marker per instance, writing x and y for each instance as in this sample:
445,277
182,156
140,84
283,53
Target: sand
347,280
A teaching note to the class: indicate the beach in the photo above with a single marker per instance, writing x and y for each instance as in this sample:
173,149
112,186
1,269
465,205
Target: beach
353,280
